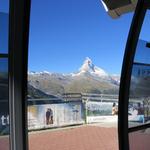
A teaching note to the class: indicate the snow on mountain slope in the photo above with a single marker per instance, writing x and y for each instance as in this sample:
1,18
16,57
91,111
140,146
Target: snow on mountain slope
87,69
116,78
38,73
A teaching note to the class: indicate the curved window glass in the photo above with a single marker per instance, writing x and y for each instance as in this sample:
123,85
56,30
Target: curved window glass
139,102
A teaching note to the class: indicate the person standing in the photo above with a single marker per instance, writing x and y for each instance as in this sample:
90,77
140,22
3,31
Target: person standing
114,109
48,113
51,116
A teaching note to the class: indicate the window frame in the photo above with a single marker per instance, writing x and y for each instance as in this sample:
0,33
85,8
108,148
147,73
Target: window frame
19,13
3,55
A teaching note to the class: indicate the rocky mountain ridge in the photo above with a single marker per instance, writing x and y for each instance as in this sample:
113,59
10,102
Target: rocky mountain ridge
89,78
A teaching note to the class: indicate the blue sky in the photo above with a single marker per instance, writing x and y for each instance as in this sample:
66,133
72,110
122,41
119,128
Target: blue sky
64,33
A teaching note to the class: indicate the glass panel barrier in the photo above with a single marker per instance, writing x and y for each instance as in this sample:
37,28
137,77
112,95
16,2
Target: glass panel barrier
4,105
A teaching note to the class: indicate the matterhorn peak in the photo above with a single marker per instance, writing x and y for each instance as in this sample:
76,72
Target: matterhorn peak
87,66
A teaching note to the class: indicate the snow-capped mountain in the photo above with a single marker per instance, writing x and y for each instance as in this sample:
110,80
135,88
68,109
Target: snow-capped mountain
89,78
88,66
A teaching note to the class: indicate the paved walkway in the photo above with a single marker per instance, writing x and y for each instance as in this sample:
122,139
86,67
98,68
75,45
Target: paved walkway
90,137
4,143
79,138
139,140
85,137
